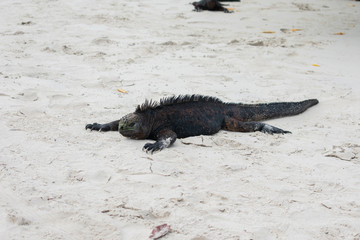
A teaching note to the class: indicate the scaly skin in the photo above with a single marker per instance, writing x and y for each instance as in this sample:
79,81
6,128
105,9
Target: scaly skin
211,5
193,115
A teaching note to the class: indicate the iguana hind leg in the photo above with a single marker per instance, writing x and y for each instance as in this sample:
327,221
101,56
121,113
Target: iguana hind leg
233,124
111,126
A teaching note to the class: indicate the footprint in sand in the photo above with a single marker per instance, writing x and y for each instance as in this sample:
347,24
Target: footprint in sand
103,41
61,101
304,7
14,218
98,176
345,152
28,95
76,176
70,51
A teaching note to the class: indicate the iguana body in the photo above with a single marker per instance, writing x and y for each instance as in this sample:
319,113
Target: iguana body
193,115
211,5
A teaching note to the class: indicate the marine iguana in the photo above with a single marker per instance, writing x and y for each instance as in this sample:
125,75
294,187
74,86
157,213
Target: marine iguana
192,115
211,5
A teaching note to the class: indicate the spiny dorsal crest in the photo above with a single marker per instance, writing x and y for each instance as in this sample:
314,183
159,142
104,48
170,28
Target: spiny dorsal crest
150,104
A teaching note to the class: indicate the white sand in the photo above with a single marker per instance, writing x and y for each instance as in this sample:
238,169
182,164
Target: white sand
62,61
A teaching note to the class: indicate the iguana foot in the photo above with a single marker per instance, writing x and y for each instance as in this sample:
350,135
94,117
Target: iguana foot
271,129
159,144
153,147
98,127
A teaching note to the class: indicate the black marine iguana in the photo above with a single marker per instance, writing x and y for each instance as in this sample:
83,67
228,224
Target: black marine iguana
193,115
211,5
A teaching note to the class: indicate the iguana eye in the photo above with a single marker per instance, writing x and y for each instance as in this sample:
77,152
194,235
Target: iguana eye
131,124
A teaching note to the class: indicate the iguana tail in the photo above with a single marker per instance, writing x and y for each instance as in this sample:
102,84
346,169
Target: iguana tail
264,111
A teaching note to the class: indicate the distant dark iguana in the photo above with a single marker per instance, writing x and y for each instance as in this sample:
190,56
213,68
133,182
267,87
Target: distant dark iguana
193,115
211,5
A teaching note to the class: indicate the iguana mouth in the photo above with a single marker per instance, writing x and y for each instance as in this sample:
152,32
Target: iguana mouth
123,127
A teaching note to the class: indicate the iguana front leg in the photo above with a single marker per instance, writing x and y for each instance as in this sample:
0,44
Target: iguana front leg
233,124
111,126
197,9
164,139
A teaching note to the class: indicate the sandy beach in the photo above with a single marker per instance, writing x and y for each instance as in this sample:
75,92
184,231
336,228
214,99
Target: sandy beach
62,63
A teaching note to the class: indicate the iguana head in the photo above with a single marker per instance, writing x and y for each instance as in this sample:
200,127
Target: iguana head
134,126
